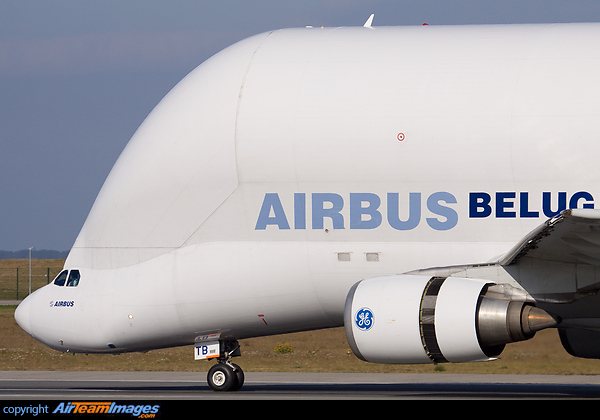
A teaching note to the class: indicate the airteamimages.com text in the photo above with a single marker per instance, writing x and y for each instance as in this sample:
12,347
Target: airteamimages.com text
91,407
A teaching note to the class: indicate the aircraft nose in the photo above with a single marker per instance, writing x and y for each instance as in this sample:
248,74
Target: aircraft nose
22,315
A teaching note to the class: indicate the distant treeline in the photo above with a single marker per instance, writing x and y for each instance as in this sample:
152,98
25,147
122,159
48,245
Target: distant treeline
42,254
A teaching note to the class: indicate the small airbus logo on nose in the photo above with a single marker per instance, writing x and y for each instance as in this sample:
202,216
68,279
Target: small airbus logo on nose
62,303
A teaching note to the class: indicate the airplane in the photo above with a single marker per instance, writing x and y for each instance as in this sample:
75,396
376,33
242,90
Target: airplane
431,189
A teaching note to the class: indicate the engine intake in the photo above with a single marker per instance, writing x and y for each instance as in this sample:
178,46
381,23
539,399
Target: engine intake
421,319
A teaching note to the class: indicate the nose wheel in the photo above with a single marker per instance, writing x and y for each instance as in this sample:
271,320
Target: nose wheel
225,376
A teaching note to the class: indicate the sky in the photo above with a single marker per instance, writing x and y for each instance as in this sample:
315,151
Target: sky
77,77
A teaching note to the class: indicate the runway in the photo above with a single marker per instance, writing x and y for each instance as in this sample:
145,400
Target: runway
72,386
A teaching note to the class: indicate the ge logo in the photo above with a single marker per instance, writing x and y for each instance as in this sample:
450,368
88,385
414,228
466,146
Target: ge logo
364,319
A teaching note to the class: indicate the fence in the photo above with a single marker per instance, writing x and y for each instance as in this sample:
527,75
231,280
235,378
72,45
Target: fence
14,276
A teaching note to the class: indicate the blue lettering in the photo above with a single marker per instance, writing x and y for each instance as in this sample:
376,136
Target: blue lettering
479,204
578,196
357,211
364,210
546,206
299,211
319,212
271,202
480,207
63,408
524,206
450,214
414,211
502,204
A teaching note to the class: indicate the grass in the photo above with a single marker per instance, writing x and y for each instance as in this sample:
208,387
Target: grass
16,272
315,351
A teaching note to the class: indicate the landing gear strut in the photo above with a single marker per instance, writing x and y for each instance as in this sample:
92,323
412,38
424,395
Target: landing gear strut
226,376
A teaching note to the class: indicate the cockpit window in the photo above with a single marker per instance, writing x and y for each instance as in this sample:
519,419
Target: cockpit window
60,279
73,278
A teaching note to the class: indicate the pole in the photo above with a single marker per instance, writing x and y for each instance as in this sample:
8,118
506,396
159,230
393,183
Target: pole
30,269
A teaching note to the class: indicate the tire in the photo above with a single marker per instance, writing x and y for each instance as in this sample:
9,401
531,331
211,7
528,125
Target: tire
239,376
221,378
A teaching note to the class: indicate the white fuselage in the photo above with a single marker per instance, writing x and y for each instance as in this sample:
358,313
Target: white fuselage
297,162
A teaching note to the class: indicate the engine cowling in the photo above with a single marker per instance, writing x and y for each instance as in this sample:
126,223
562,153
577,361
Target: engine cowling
421,319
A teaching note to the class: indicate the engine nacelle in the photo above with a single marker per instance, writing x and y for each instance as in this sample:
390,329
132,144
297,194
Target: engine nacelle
421,319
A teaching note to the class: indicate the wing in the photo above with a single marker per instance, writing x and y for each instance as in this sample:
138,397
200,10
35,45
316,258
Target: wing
572,237
559,261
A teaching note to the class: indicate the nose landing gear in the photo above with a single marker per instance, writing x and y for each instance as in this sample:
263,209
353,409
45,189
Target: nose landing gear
226,376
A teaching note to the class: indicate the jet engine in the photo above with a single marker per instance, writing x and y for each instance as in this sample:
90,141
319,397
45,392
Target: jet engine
421,319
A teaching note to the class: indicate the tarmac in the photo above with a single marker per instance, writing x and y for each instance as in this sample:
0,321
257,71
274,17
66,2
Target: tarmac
48,385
